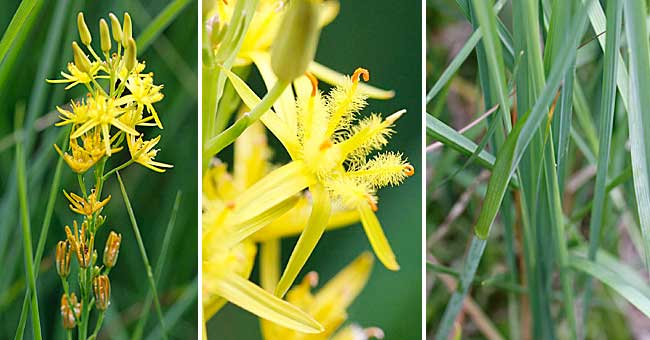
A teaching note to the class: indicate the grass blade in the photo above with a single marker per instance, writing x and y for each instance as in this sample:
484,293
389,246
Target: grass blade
639,113
160,23
143,253
608,103
16,25
137,334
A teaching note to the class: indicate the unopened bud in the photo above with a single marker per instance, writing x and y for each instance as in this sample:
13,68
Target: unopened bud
131,54
128,28
117,28
105,36
102,290
112,249
70,309
295,45
84,32
80,59
63,256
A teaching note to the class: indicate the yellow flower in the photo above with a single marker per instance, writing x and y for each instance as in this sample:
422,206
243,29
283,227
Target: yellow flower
143,152
229,257
102,113
76,76
329,304
87,207
81,244
355,332
144,93
331,148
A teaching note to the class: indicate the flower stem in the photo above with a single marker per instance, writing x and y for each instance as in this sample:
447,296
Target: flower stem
98,325
228,136
143,253
122,166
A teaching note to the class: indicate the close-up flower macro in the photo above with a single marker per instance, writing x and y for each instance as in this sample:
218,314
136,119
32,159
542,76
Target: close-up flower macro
311,152
96,194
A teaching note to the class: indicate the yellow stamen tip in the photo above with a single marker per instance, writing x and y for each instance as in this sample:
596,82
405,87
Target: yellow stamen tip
360,72
325,145
409,170
395,116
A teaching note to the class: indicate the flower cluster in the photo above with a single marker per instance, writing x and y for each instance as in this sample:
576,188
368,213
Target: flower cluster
119,102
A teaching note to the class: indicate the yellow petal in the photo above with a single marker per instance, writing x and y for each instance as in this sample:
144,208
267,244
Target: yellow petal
334,78
251,156
256,300
328,12
231,235
293,222
377,238
274,188
314,229
270,255
270,119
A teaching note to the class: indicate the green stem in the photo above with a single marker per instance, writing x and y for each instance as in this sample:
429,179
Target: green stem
227,137
98,325
143,253
108,174
27,236
82,185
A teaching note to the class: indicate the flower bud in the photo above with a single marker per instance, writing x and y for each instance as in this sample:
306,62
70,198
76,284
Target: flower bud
63,256
117,28
128,28
295,45
70,309
80,59
131,54
112,249
102,289
105,36
84,32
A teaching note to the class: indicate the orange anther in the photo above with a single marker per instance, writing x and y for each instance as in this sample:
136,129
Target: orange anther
372,203
409,170
360,72
230,205
314,83
325,145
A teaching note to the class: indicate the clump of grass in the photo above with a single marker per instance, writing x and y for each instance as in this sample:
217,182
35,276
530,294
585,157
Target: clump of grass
559,204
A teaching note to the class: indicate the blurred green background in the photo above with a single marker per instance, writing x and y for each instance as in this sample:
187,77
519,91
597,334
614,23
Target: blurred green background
385,38
42,50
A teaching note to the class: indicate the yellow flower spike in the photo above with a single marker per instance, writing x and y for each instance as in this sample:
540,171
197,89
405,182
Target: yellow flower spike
87,207
84,32
116,28
80,58
377,238
80,245
356,332
105,36
249,296
308,239
143,152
